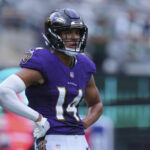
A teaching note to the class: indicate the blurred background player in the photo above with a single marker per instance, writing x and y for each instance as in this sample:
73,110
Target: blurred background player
56,80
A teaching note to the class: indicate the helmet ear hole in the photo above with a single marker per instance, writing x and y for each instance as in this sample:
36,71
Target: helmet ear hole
62,20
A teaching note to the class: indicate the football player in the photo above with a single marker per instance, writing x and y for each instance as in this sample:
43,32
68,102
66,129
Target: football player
56,80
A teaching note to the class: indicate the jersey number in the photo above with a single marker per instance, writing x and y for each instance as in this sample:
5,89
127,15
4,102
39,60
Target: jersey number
71,108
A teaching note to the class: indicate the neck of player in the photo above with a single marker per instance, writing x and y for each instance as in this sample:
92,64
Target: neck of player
67,60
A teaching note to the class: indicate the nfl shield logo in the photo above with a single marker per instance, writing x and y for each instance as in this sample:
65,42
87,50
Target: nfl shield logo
72,74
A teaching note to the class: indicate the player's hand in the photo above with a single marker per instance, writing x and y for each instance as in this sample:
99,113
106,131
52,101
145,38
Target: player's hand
42,127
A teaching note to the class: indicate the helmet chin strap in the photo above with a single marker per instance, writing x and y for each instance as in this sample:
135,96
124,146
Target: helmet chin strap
70,53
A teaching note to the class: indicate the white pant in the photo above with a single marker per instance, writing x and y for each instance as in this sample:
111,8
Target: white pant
63,142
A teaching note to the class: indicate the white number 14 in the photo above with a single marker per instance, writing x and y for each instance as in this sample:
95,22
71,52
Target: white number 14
71,108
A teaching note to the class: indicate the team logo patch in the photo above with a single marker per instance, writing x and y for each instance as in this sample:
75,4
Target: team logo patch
72,74
60,20
27,56
56,17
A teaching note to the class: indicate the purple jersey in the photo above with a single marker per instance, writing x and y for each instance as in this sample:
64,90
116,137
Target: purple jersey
58,98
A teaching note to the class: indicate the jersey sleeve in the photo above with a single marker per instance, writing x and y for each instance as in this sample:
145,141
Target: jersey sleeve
89,64
87,67
32,60
92,68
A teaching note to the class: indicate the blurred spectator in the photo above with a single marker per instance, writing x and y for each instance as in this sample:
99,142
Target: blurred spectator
99,40
119,32
127,51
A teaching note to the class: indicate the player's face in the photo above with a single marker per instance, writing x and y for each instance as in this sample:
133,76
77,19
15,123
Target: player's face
71,38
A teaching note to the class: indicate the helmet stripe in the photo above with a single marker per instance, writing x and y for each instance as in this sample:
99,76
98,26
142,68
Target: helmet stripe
73,15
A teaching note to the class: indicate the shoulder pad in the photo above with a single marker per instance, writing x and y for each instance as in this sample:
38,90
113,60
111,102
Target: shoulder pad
29,53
